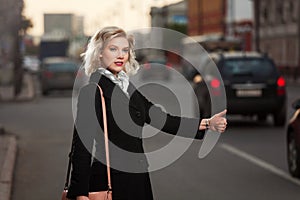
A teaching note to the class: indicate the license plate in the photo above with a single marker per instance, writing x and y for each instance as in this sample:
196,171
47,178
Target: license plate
248,93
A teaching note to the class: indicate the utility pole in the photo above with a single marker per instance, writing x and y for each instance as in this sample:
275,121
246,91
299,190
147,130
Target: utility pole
257,24
18,70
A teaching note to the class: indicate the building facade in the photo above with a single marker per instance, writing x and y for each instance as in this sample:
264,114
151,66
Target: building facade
172,17
65,25
277,31
206,17
10,55
169,15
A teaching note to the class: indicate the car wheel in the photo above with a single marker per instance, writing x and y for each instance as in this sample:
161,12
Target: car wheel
293,155
279,117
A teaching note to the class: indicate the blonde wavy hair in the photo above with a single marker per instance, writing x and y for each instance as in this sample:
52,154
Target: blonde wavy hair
97,43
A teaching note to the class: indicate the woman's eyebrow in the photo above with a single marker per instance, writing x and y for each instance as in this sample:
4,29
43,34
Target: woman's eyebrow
112,45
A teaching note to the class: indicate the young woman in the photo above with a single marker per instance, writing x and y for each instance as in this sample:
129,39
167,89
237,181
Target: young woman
108,60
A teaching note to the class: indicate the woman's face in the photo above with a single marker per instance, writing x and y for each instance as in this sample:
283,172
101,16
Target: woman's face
115,54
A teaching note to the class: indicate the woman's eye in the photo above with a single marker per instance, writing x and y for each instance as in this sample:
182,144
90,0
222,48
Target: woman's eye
125,50
113,49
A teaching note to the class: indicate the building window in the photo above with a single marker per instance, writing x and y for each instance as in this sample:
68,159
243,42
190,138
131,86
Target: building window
292,9
264,14
279,12
286,11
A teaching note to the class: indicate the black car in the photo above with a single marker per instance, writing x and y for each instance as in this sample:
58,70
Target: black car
293,141
252,83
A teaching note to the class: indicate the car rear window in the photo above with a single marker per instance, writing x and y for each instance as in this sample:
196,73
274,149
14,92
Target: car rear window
248,67
62,66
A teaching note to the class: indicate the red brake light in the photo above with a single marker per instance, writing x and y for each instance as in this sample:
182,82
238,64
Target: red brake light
147,66
281,88
169,65
281,82
215,83
48,74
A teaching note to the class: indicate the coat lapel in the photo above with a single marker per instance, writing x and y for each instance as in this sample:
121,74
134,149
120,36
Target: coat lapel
111,89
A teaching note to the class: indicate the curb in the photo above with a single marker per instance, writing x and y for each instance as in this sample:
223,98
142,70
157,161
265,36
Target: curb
7,170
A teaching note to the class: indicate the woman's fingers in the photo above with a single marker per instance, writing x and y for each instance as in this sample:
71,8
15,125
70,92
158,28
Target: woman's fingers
219,122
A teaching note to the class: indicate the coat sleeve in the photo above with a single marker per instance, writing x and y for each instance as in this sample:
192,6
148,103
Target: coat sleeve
180,126
86,126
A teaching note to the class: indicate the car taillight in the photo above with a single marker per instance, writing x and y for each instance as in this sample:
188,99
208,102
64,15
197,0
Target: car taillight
281,82
215,83
147,66
281,86
215,86
169,65
48,74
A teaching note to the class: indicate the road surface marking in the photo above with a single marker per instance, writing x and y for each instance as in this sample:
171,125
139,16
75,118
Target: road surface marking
261,163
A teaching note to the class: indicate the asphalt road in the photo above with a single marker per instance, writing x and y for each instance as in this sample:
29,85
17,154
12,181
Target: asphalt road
248,162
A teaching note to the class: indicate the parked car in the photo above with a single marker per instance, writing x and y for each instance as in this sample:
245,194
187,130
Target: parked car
293,141
252,83
58,73
156,68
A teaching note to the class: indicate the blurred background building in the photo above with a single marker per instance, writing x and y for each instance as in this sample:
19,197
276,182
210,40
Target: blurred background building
64,24
277,32
205,18
212,23
13,28
274,27
63,35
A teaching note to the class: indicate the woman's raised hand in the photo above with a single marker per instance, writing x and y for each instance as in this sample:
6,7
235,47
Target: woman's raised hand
218,122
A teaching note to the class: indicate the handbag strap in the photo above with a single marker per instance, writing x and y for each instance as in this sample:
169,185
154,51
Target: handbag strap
69,166
105,139
106,146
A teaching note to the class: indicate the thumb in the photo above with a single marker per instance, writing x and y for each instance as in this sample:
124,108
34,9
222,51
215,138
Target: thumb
220,114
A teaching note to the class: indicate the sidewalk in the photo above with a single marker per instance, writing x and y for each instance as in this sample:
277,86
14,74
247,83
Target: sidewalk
8,151
8,141
28,90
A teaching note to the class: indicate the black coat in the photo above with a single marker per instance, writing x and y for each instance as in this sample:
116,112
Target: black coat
126,118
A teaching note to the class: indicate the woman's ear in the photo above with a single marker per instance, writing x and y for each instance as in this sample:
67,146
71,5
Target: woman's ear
100,56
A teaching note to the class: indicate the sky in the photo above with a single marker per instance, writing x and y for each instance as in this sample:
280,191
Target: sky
99,13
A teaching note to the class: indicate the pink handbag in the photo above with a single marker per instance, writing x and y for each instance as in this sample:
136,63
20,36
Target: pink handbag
102,195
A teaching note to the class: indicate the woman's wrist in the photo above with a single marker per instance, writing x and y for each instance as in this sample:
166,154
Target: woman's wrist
205,124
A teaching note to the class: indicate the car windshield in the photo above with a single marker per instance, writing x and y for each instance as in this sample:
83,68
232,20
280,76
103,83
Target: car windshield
62,67
248,67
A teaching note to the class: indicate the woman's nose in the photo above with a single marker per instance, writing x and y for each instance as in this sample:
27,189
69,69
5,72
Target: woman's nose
121,54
